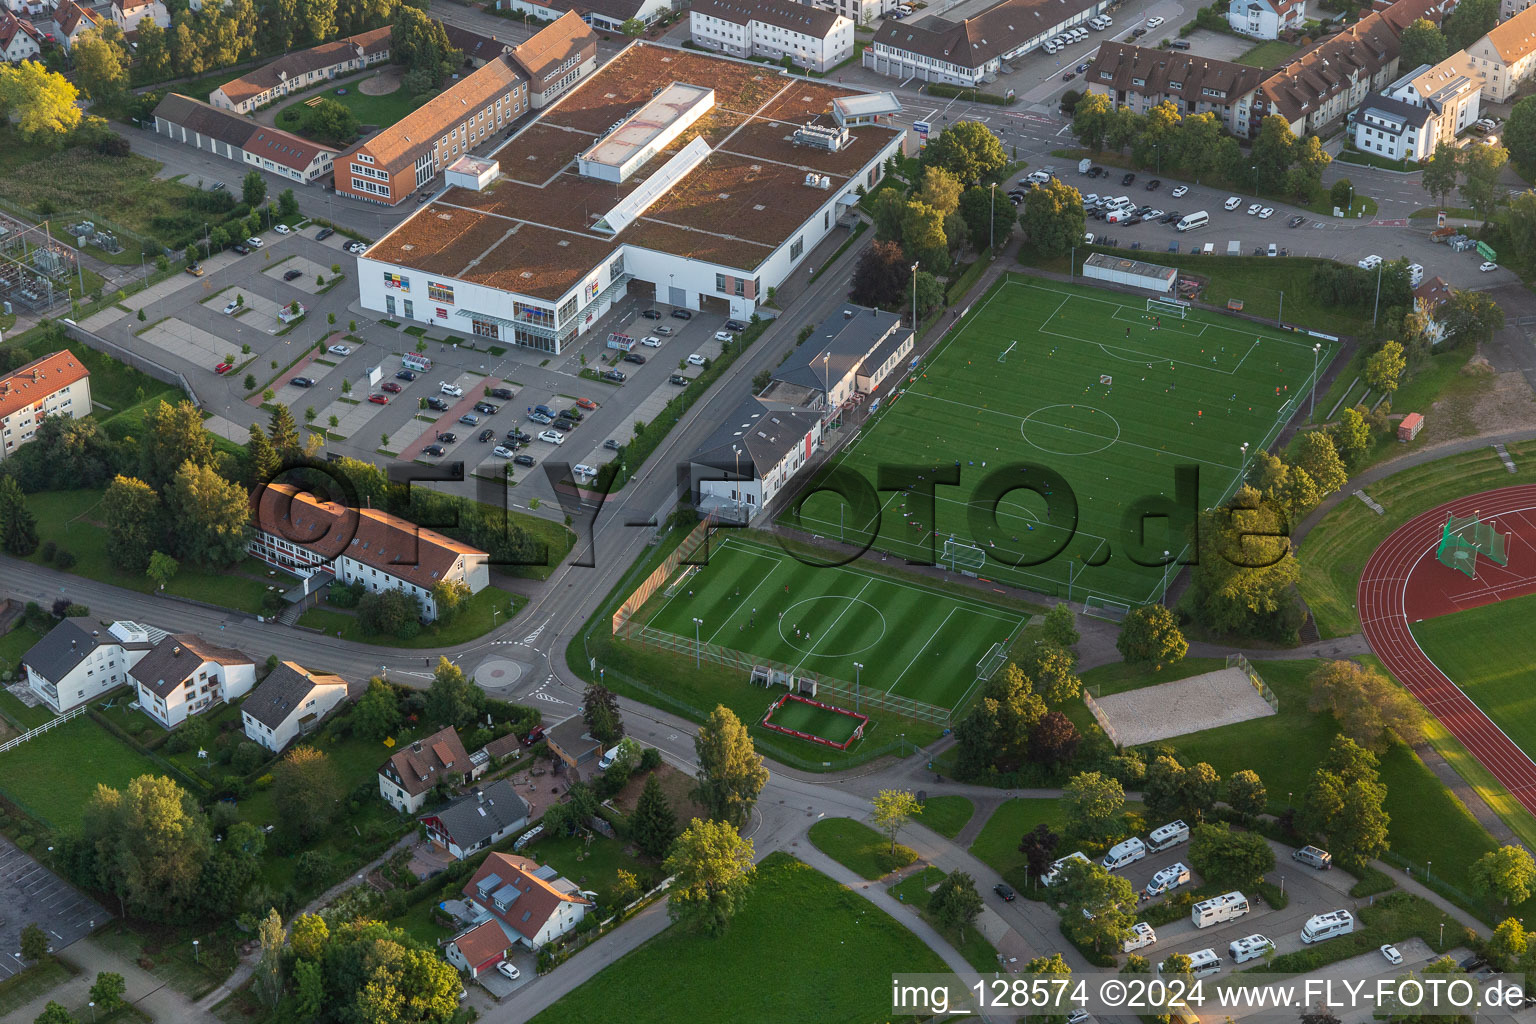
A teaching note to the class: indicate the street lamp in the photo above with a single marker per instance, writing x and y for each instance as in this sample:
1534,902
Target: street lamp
914,295
92,1005
1242,462
1312,402
737,450
697,643
1166,566
195,957
1255,169
857,668
991,220
1377,308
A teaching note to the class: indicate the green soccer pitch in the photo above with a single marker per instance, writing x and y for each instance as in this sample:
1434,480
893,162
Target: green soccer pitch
913,641
1083,382
1489,652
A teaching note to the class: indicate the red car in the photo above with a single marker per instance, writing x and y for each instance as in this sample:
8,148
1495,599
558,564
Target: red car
223,368
534,735
586,403
379,399
391,387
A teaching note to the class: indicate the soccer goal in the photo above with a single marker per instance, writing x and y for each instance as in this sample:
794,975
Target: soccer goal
1002,356
1167,308
1106,609
991,662
961,557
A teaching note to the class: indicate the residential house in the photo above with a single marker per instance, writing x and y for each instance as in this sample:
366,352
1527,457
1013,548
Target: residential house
294,530
183,675
19,38
402,158
602,15
234,137
479,949
1140,78
70,19
1448,92
863,12
1506,56
290,702
572,743
302,69
1429,297
556,58
406,779
128,13
76,663
54,385
471,823
812,37
1509,8
751,456
972,51
532,904
1266,19
1390,128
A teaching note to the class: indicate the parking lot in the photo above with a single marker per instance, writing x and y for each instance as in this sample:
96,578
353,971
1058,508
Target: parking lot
31,894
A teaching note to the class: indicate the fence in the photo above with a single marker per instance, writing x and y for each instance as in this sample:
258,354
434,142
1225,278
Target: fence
50,724
160,372
853,695
1099,715
699,537
1238,661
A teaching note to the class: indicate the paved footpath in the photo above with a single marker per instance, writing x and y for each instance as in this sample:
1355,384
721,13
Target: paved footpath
145,991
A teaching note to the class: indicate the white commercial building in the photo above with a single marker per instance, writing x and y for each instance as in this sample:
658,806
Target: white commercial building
1104,267
973,51
813,38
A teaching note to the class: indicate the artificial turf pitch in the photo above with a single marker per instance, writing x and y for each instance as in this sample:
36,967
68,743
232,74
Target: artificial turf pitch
1183,392
1490,653
808,718
912,640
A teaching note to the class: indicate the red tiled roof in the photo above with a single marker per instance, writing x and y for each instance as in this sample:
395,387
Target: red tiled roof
68,16
551,45
302,62
482,944
39,379
417,771
537,898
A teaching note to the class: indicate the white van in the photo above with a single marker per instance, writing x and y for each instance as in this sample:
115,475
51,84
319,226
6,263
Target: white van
1142,935
1202,962
1171,834
1415,274
1190,221
1232,203
606,761
1217,909
1327,926
1121,854
1249,947
1171,877
1320,859
1050,876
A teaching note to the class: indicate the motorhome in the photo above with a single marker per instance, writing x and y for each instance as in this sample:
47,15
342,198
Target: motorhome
1171,834
1141,936
1217,909
1171,877
1327,926
1320,859
1121,854
1202,962
1050,876
1249,947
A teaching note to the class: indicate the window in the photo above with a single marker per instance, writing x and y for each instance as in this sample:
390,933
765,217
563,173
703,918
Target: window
409,312
797,248
719,282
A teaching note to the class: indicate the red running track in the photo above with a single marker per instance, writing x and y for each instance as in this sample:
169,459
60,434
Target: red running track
1403,583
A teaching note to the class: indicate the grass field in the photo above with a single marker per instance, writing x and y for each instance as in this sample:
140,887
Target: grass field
947,815
971,944
370,110
1266,55
1490,653
484,611
998,842
913,641
799,716
844,951
30,774
858,847
1183,392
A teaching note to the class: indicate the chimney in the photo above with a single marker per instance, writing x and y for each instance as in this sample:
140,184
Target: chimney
416,746
176,651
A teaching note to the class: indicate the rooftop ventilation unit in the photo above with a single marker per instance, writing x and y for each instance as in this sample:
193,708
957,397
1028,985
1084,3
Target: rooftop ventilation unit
832,139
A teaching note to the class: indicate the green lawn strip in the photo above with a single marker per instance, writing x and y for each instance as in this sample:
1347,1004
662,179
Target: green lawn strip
947,815
483,612
1335,551
1266,55
844,953
799,716
20,989
194,975
370,110
855,846
13,645
997,845
970,943
594,865
32,779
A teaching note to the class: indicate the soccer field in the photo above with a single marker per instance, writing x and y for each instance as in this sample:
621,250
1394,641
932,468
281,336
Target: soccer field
1490,653
1091,398
912,641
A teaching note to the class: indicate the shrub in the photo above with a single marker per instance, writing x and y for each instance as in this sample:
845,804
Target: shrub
264,781
65,560
26,842
49,549
650,759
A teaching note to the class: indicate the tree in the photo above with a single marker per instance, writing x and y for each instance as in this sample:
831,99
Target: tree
989,218
1384,367
34,943
1469,317
653,825
377,715
1246,794
923,238
731,773
253,189
307,791
968,150
318,19
1421,43
1238,859
1090,121
1369,707
309,936
208,516
449,597
711,867
1159,129
42,105
1051,668
889,207
1163,792
1060,627
1315,453
1469,22
930,294
1093,804
108,991
419,43
632,27
1039,849
1122,127
130,510
893,809
269,971
1507,874
261,459
1351,436
1100,906
1197,143
995,733
880,277
54,1013
1342,193
1441,171
600,709
162,569
147,846
1481,166
101,61
941,190
1520,133
955,903
309,989
173,435
1273,153
327,121
1053,218
452,699
18,526
1053,740
1344,801
1150,635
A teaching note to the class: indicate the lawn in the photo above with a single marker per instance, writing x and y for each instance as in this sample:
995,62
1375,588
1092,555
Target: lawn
370,110
998,843
1109,400
13,645
483,612
1269,54
857,847
843,952
31,774
114,385
947,815
593,864
970,943
20,989
1490,654
1335,551
913,641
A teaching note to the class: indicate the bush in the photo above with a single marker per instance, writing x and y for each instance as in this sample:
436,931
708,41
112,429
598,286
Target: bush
49,550
26,842
650,759
65,560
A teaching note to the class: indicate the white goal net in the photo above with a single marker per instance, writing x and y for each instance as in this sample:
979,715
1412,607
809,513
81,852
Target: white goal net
962,557
1165,308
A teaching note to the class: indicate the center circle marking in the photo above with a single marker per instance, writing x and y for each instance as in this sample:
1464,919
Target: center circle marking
1092,443
793,618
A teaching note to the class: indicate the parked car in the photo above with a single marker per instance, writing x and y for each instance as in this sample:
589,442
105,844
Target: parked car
231,308
195,269
302,382
1393,956
1232,203
450,389
340,350
1488,265
666,331
1370,262
254,242
617,376
469,419
573,414
282,229
552,436
517,435
735,325
1254,208
522,460
435,450
651,314
434,402
487,408
1154,184
378,399
293,275
502,393
678,379
501,451
586,403
1182,190
695,360
324,233
1128,178
241,248
682,314
1154,22
405,375
1005,892
634,357
391,387
612,445
485,435
1069,76
1296,221
223,368
1266,213
447,437
540,418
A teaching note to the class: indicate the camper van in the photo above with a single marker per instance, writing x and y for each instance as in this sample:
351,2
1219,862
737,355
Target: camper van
1327,926
1320,859
1141,935
1249,947
1171,877
1121,854
1218,909
606,761
1202,962
1190,221
1050,876
416,361
1171,834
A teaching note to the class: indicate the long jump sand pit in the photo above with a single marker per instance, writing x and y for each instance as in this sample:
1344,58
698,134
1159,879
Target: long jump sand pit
1183,706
